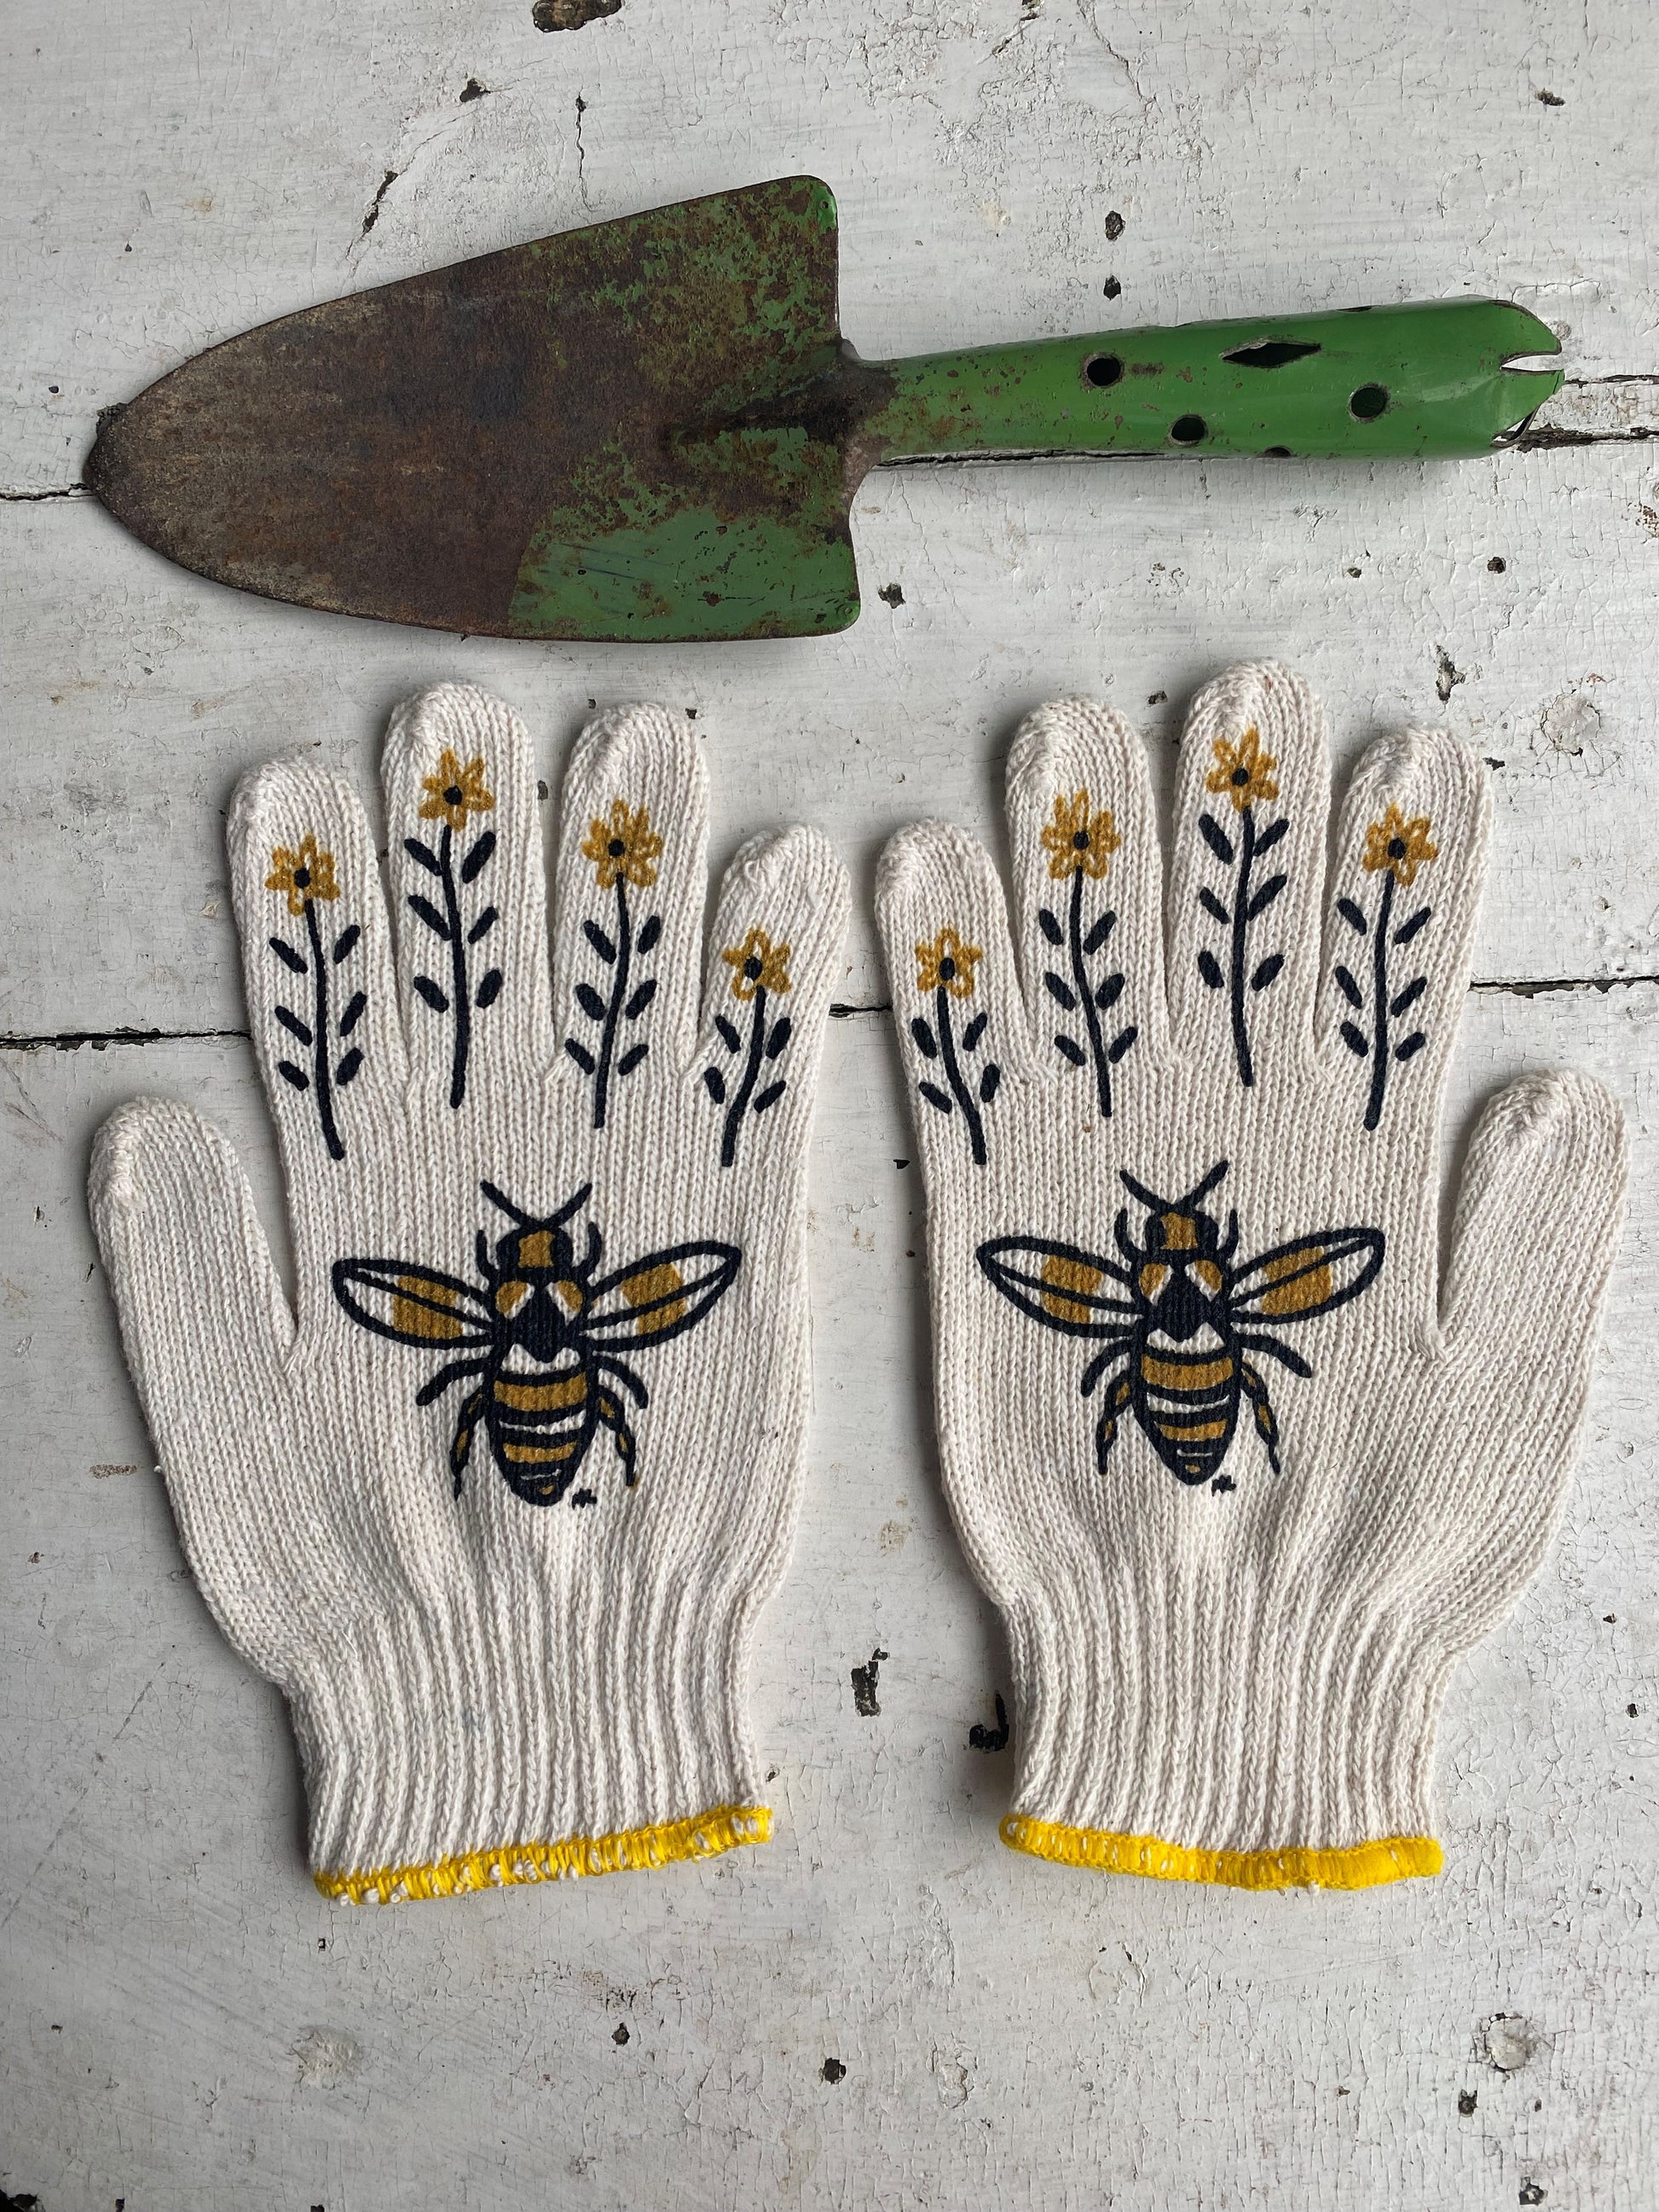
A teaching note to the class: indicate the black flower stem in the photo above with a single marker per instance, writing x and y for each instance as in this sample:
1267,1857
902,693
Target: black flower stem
735,1111
1380,1007
460,993
321,1046
947,1045
1086,998
1241,923
613,1011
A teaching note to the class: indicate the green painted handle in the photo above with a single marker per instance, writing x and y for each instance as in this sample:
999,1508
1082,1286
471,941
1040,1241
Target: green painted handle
1426,382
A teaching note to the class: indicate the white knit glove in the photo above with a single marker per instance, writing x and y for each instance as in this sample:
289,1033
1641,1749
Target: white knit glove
1244,1483
499,1512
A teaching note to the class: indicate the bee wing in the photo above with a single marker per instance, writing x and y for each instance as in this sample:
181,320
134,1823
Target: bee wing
412,1304
659,1297
1307,1277
1058,1284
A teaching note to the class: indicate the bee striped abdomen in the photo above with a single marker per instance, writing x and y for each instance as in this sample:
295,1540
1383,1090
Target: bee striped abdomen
540,1422
1191,1403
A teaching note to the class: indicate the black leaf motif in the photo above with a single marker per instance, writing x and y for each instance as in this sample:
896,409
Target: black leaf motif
1266,972
423,855
600,940
353,1013
716,1083
287,956
1213,906
782,1033
479,858
1068,1048
296,1076
291,1022
1060,992
1351,915
1409,997
1262,899
988,1082
590,1002
1121,1042
346,942
640,999
484,924
1110,991
1050,925
1271,836
1209,967
1408,929
927,1043
1099,931
650,930
972,1033
1217,838
430,915
935,1096
631,1058
1355,1039
348,1066
436,999
490,989
1408,1048
728,1030
1346,983
580,1055
769,1097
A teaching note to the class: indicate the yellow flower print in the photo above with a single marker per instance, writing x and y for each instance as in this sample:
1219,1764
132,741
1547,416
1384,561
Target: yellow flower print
1076,838
626,847
1244,771
455,792
1401,847
947,964
760,965
306,875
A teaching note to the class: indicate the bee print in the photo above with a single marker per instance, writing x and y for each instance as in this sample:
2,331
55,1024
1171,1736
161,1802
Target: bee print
543,1333
1182,1326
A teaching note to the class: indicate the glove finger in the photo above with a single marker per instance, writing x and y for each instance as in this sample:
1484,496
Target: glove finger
316,956
956,1002
468,889
1537,1224
1088,883
1247,874
1411,856
632,878
206,1330
1537,1228
773,962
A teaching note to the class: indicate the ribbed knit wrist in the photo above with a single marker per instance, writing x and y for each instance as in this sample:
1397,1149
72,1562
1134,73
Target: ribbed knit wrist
1250,1749
482,1741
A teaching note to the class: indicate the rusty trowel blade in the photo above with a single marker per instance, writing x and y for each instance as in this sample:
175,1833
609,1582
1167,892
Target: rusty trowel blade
492,447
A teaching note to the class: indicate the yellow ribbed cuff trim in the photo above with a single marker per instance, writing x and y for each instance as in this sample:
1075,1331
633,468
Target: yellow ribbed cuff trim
1360,1866
703,1836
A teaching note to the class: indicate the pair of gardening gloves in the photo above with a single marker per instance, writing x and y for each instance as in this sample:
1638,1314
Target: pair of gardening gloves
497,1505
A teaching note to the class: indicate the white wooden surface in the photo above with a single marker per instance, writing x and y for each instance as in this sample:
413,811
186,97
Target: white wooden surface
182,2022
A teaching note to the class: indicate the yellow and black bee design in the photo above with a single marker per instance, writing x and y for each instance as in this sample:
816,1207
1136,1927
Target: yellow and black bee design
1178,1324
544,1334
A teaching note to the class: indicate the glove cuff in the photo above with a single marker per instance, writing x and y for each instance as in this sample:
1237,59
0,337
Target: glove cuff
477,1743
1188,1751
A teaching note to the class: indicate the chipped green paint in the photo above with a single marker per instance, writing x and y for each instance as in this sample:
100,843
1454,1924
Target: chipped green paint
652,428
1423,382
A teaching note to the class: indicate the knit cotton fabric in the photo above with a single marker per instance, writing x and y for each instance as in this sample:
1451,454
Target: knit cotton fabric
498,1504
1244,1477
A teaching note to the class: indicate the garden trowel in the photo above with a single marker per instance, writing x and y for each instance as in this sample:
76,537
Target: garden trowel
654,429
